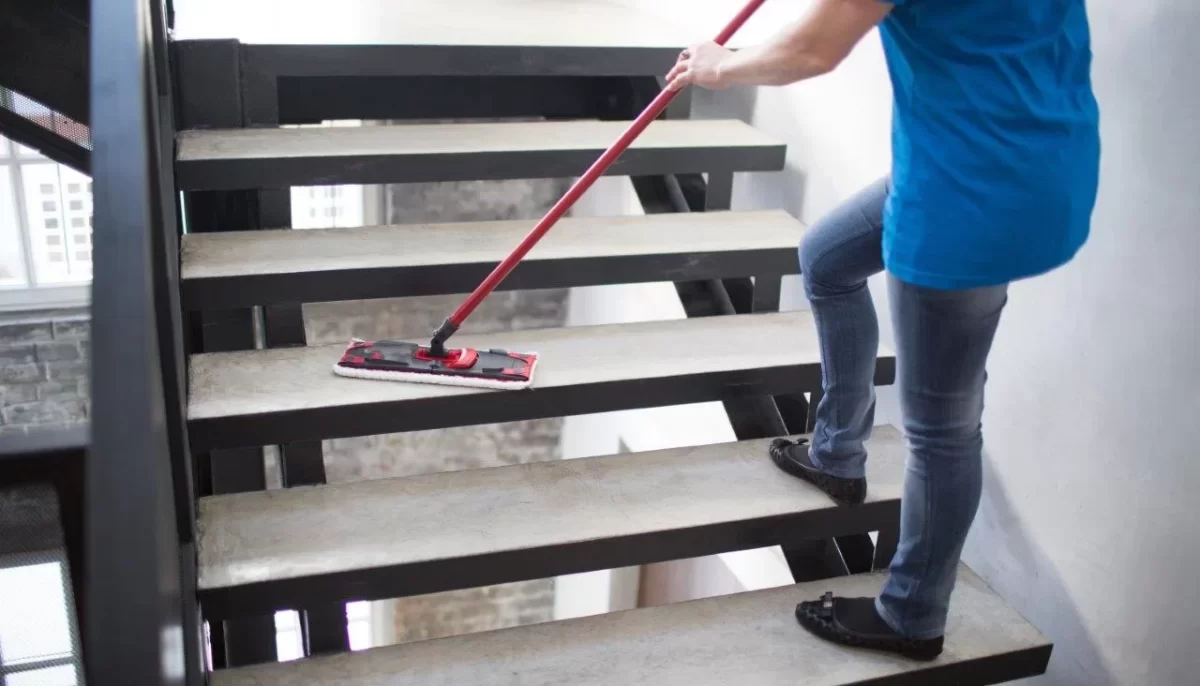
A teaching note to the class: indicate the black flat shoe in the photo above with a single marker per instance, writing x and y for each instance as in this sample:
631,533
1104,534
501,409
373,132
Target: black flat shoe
854,622
792,457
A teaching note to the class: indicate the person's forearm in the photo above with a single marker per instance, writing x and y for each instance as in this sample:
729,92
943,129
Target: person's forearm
813,46
777,63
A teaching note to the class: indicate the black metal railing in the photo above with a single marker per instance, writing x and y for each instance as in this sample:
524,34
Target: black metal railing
140,620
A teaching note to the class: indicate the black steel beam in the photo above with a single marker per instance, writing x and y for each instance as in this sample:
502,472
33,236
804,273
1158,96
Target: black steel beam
274,61
33,135
208,76
885,546
785,413
353,284
535,563
325,629
313,99
259,172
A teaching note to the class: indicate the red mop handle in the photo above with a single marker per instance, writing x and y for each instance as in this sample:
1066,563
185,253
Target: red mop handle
585,182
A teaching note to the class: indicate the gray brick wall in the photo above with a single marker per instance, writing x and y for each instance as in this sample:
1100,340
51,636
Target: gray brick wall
43,371
393,455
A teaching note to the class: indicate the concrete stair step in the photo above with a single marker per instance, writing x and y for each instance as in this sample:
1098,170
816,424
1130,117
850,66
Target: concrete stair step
297,547
746,638
228,159
274,396
245,268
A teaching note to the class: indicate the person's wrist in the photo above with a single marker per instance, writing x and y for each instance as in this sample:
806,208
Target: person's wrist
721,72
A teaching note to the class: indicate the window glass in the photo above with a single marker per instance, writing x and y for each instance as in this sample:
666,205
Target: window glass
12,250
63,675
34,590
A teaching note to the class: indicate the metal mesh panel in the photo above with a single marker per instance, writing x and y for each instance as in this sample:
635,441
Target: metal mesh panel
36,112
39,637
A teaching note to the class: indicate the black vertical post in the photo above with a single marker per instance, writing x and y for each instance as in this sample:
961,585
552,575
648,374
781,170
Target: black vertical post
812,560
302,463
283,327
208,77
132,534
885,546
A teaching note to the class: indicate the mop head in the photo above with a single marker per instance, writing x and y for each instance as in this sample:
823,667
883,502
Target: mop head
402,361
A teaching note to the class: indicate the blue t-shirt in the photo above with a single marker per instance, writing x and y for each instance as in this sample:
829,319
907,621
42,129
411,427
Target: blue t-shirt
995,141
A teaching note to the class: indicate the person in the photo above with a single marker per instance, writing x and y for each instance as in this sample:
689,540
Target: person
994,173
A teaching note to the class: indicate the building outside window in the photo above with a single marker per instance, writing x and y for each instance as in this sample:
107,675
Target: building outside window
45,231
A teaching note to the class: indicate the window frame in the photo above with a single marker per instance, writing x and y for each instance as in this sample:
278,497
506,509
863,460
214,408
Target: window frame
31,295
30,558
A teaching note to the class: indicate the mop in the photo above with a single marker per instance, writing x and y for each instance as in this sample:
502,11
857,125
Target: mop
499,369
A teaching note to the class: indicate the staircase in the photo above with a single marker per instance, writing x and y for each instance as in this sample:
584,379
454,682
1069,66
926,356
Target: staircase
314,546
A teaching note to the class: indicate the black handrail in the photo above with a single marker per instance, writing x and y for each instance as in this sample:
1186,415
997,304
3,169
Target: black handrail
141,626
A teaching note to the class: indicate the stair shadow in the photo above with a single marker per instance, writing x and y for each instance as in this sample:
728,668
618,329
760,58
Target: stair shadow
1075,650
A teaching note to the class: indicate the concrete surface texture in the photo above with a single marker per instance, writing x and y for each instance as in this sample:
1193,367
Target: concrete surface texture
1090,427
214,255
459,138
422,452
747,638
269,536
262,382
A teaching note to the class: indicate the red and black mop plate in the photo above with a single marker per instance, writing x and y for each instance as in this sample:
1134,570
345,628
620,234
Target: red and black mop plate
405,361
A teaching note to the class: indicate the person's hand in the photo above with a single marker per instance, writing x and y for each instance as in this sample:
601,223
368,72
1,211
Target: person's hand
699,65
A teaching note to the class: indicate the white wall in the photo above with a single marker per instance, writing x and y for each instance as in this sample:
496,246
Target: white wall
1086,524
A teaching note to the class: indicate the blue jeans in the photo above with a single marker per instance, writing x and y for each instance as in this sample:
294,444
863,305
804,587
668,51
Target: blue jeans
942,342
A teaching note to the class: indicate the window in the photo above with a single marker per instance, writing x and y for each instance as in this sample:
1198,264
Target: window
44,652
323,207
358,624
82,239
43,206
289,642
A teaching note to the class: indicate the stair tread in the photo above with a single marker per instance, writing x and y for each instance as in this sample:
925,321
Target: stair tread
243,253
311,531
514,23
745,638
289,394
258,381
228,159
464,138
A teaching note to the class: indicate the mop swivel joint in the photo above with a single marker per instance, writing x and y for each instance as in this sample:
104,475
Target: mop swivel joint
437,344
